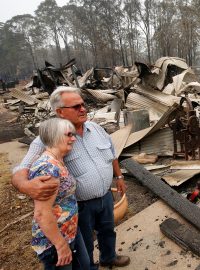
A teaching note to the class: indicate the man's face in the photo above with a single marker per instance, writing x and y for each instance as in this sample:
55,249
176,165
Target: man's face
76,114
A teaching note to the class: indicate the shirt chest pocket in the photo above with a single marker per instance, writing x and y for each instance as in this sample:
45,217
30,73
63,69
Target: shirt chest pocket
105,152
76,164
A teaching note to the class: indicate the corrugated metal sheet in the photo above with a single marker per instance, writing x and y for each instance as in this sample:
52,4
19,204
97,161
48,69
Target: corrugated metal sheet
180,80
179,177
169,89
12,101
44,104
84,78
161,67
108,116
42,95
185,165
159,143
120,137
190,87
109,91
24,97
100,96
137,136
156,169
122,71
158,97
159,62
137,101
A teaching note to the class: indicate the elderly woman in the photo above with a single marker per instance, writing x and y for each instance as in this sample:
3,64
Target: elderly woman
54,228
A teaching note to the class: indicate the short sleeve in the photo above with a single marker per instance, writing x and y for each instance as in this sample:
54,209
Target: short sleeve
35,150
44,168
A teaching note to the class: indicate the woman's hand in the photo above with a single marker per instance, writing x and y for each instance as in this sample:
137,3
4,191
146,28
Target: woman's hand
64,255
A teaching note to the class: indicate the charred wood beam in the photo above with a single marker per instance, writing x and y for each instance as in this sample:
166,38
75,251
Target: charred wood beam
184,207
184,236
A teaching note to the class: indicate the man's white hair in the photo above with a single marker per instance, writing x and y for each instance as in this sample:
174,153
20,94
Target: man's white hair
56,100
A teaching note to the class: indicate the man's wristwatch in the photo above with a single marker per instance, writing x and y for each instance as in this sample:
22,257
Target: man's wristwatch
119,177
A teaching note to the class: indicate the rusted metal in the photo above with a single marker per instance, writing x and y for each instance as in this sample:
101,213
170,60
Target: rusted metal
186,131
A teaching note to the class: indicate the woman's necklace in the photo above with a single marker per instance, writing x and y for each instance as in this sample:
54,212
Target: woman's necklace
58,159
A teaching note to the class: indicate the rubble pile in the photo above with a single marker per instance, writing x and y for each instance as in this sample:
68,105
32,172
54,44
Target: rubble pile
148,110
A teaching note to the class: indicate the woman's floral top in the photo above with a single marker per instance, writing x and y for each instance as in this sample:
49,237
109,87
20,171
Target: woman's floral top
65,206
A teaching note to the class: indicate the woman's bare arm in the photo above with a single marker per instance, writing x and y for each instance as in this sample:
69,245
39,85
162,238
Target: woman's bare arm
47,221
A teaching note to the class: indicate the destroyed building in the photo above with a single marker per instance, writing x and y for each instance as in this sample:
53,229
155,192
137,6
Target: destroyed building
148,110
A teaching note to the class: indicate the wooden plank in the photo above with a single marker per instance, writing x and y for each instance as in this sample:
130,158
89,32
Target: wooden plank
184,236
184,207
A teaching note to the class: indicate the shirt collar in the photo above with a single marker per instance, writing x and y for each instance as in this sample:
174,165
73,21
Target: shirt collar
87,126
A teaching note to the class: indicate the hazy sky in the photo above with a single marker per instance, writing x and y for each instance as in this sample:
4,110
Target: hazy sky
10,8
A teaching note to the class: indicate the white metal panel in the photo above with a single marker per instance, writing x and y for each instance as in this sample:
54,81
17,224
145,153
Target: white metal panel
137,136
179,177
159,143
120,137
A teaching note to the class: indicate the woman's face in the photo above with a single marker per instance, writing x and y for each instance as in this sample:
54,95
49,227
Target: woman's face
66,144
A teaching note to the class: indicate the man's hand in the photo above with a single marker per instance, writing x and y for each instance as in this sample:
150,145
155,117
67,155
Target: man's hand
41,188
121,187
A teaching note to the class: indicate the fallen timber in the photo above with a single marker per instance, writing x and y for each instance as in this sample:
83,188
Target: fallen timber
184,236
184,207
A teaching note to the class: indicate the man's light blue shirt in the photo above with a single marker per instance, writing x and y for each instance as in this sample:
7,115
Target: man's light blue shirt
90,161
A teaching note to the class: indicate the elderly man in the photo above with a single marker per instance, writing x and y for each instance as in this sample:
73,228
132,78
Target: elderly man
92,162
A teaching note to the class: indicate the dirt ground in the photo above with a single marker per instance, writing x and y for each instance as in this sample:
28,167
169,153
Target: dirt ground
15,238
9,127
16,209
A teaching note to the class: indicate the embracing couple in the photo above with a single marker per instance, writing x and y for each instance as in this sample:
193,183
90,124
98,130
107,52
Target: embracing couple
68,171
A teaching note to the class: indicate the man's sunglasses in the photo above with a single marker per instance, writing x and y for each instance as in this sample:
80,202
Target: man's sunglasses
70,134
75,107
